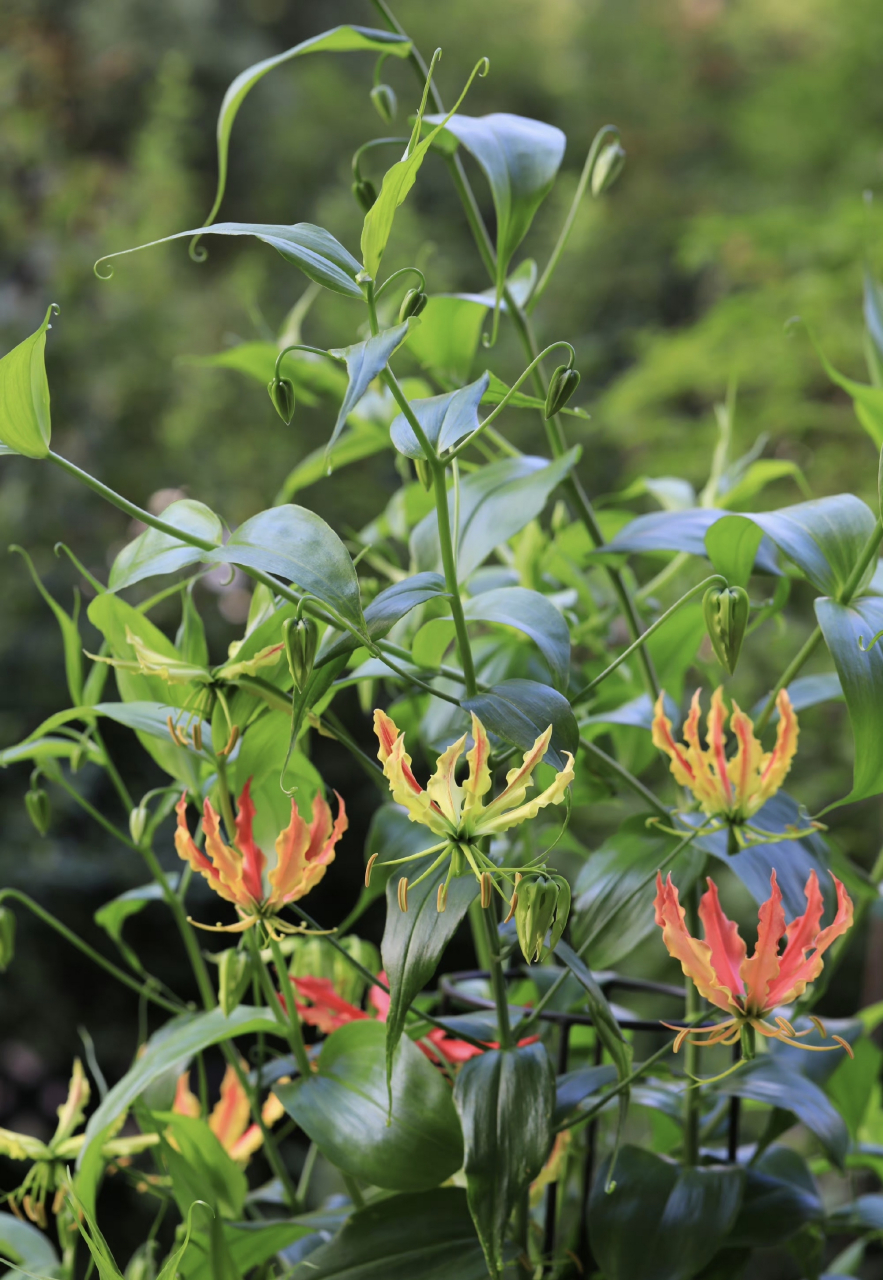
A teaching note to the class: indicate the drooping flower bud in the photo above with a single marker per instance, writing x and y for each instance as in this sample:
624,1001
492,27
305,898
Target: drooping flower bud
385,101
424,473
281,392
412,304
565,381
7,938
607,168
365,192
301,637
535,915
39,809
234,974
137,822
726,617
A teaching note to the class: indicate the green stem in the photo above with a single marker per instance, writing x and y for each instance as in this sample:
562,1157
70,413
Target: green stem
613,766
498,981
450,570
274,1157
295,1034
692,1007
295,1040
663,618
143,989
353,1189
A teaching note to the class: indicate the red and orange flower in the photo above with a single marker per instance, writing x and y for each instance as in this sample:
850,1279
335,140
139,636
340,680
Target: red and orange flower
230,1118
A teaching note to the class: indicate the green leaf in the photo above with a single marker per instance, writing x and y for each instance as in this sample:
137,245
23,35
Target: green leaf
779,1197
70,632
163,1051
496,502
861,678
498,390
248,1245
25,425
114,914
447,337
613,895
199,1167
312,248
573,1087
364,361
757,476
22,1243
344,1109
732,545
769,1081
445,420
536,616
343,39
852,1085
504,1098
297,545
153,552
362,441
49,748
384,611
520,710
313,376
660,1222
866,400
427,1235
679,531
520,159
414,940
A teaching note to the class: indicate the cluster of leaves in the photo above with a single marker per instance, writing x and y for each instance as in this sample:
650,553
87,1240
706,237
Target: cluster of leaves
459,1146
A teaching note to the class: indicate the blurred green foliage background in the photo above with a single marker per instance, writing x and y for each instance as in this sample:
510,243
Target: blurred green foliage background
754,128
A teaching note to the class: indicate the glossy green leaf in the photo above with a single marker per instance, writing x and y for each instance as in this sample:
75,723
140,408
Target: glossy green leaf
661,1222
679,531
432,641
344,1109
732,544
297,545
520,159
312,248
807,691
25,425
779,1197
445,420
153,552
535,615
756,477
613,895
22,1243
248,1245
446,340
496,502
384,611
427,1235
498,390
504,1098
414,940
769,1081
198,1165
364,361
861,678
50,748
313,376
189,1036
574,1087
603,1020
190,638
362,441
70,631
824,538
343,39
520,710
867,400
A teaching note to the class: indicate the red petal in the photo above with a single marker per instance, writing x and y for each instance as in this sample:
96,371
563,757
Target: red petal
761,971
253,860
722,935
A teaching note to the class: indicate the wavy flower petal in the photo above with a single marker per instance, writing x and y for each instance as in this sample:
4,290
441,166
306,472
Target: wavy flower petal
479,781
253,860
722,935
188,851
762,969
442,788
489,824
800,969
695,956
303,852
778,763
230,1114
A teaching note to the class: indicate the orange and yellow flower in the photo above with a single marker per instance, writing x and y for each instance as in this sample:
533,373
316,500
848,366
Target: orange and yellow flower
749,988
239,873
458,812
733,789
230,1117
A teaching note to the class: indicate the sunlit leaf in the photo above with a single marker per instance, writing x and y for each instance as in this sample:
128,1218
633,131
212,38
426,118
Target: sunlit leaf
25,425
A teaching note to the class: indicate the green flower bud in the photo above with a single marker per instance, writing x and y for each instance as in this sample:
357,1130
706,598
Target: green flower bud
281,392
234,973
312,958
424,473
412,304
138,821
535,914
7,938
607,168
726,617
366,193
142,1264
565,381
301,638
562,911
385,101
39,809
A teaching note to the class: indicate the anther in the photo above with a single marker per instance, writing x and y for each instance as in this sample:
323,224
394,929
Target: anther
403,894
369,868
512,905
441,900
485,889
819,1026
173,732
844,1044
231,741
785,1025
196,734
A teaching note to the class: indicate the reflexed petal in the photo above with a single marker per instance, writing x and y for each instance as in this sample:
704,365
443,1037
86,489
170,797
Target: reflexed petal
745,766
492,820
706,787
172,670
794,979
291,847
716,719
187,849
520,778
397,768
664,740
303,853
694,955
327,1010
478,783
253,859
230,1114
244,1148
225,860
761,971
722,935
186,1103
388,736
779,761
442,787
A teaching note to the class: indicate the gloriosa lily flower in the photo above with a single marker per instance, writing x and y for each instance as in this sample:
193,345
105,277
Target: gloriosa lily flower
231,1114
150,662
732,789
303,853
457,812
749,988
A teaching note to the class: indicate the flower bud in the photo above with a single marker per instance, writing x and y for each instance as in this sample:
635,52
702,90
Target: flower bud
281,392
7,938
137,822
534,915
39,809
234,973
311,958
424,473
385,101
607,168
565,381
366,193
412,304
726,617
562,911
301,637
